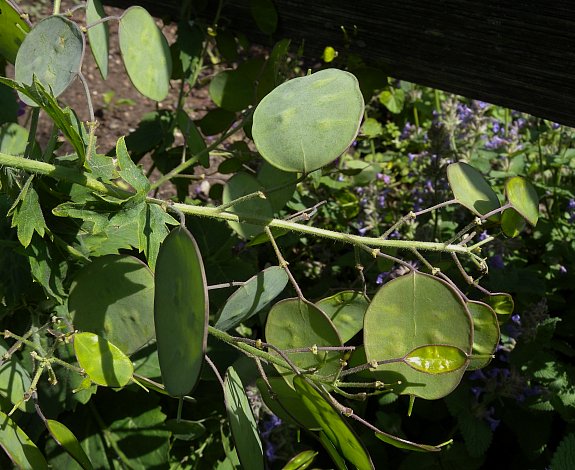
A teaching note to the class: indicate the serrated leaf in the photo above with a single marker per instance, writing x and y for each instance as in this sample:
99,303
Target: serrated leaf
152,231
98,35
476,433
64,437
27,214
48,267
242,423
104,363
129,172
21,450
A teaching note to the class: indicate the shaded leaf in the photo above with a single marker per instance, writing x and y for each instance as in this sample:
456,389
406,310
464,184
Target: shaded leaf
64,437
485,334
346,310
14,380
471,189
21,450
152,231
27,214
98,35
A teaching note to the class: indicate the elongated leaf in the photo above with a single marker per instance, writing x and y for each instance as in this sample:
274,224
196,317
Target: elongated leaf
346,310
64,437
180,311
471,189
113,297
250,298
308,122
104,363
13,29
405,444
408,312
338,432
295,323
98,35
52,52
523,197
485,334
145,53
301,461
21,450
14,380
265,15
285,403
242,422
436,359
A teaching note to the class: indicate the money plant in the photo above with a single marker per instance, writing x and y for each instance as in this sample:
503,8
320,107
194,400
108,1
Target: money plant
109,290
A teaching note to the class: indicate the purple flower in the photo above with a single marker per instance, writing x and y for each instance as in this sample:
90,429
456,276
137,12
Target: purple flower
562,269
493,423
381,277
496,262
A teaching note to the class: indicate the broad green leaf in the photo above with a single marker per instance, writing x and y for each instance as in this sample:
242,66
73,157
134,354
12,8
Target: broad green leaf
152,231
512,223
185,430
129,172
14,380
282,184
242,423
296,323
564,455
522,196
393,99
180,311
502,304
333,424
308,122
232,90
265,15
62,118
485,334
13,138
270,76
113,297
52,52
301,461
242,184
216,121
471,189
405,444
346,310
64,437
145,53
13,29
20,449
27,214
255,294
227,46
436,359
408,312
285,403
104,363
98,35
335,456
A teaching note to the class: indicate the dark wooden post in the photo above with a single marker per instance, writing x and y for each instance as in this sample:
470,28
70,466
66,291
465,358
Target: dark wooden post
519,54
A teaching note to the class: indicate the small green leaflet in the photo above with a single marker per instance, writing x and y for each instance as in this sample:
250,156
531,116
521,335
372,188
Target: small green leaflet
129,172
27,214
153,230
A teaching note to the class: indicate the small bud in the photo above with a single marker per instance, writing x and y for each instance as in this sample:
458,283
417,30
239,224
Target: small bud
313,349
373,364
259,344
435,271
379,384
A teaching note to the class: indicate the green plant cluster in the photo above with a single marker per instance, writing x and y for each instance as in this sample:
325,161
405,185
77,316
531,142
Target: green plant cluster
351,272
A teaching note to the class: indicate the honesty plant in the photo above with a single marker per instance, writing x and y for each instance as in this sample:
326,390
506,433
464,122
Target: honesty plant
121,272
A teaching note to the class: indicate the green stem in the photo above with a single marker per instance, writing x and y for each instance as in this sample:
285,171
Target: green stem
239,200
56,10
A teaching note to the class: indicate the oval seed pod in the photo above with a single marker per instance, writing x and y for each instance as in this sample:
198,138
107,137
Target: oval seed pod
180,311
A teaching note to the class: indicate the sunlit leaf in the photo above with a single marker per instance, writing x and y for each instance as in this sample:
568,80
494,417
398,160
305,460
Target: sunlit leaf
180,311
301,461
346,310
113,297
251,297
405,444
523,197
98,35
408,312
436,359
471,189
145,53
308,122
64,437
104,363
18,446
333,424
242,423
295,323
393,99
14,380
13,29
